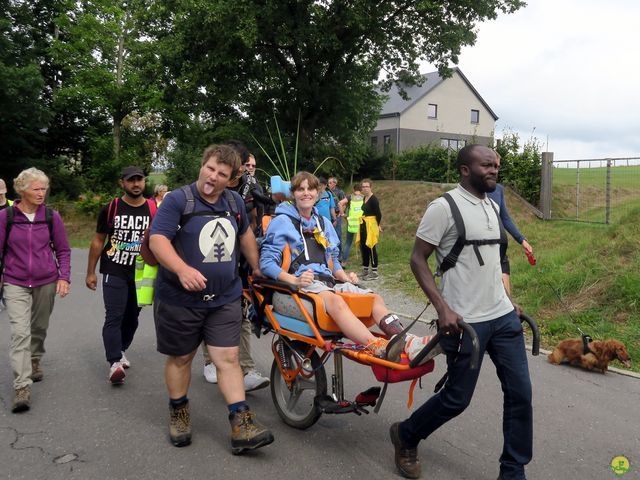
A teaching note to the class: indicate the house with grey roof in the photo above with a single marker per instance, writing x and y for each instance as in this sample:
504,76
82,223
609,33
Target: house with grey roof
442,111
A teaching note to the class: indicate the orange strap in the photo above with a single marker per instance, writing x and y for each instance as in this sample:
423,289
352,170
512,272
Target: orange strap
411,388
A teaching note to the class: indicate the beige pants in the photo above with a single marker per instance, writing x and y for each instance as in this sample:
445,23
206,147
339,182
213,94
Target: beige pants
29,310
246,361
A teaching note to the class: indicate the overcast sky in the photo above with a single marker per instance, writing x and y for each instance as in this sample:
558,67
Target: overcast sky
563,70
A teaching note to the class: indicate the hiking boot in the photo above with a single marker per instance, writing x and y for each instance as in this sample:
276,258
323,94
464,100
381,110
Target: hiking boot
210,373
36,371
247,433
254,380
180,425
373,275
22,400
116,373
406,458
124,361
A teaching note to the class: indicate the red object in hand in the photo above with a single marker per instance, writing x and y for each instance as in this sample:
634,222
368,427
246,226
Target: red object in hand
531,258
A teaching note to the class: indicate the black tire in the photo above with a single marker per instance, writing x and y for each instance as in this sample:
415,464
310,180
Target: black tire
296,406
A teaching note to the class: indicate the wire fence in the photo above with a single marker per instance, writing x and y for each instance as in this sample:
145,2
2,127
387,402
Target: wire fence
595,190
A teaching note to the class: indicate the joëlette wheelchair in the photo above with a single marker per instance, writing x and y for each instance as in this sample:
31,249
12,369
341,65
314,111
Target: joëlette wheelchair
305,336
302,328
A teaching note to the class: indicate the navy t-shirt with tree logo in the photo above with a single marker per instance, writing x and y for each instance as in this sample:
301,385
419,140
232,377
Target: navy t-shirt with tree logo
206,241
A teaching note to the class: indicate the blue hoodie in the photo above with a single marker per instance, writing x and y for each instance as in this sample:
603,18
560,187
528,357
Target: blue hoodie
281,232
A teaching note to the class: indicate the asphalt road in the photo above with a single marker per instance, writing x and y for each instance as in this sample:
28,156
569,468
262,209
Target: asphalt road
81,427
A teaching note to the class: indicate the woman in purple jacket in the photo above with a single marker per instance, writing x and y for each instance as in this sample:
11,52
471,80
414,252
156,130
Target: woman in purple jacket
36,261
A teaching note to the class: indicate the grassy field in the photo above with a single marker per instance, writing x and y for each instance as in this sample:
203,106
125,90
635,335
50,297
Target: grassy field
587,276
581,194
621,177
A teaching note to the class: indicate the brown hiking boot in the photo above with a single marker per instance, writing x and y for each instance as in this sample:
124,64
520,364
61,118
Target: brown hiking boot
36,371
22,400
180,425
406,458
247,433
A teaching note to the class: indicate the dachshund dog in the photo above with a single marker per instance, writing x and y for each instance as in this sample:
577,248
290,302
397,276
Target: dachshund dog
601,353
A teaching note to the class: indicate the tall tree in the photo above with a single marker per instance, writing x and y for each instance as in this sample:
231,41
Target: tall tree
319,58
108,69
24,114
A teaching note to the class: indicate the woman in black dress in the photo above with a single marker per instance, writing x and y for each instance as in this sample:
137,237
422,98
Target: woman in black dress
369,231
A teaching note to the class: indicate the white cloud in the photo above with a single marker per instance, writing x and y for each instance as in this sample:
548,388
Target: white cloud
568,68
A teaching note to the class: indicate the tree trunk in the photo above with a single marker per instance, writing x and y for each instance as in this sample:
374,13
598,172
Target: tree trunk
117,116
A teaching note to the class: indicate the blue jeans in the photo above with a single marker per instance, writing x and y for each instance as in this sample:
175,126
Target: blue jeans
503,340
346,248
338,229
121,315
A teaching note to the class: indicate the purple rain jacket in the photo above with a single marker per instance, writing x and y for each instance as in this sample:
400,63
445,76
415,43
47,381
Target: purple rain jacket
29,261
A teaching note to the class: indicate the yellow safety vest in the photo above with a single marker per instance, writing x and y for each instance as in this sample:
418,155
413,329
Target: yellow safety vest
145,277
355,212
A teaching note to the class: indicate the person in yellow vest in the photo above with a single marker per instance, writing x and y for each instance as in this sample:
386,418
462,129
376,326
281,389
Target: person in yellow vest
4,201
352,204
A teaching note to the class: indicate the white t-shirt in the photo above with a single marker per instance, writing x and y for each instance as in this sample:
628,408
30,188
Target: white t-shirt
472,290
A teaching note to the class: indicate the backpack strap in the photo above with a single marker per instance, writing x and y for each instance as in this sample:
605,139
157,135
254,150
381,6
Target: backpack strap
233,205
452,257
153,207
10,215
112,208
190,204
48,217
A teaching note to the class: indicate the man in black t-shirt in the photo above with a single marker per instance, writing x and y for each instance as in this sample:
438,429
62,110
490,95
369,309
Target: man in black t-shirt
119,231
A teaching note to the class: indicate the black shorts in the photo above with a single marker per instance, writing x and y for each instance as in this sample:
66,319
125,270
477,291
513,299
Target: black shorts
179,330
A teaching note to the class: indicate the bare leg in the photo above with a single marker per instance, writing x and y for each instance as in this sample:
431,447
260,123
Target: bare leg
349,324
230,377
379,309
177,374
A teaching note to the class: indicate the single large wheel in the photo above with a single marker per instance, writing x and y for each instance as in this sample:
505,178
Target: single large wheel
295,404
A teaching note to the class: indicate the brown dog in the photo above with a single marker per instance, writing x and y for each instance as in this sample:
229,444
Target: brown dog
602,352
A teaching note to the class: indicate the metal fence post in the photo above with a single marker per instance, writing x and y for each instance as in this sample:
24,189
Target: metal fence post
546,184
607,210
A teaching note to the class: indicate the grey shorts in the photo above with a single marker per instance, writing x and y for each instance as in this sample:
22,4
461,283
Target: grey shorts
179,330
317,286
286,305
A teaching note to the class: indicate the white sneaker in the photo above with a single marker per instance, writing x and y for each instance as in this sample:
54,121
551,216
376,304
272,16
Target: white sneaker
124,361
210,373
116,374
414,345
253,380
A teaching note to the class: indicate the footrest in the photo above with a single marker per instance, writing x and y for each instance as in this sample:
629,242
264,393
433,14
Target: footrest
328,405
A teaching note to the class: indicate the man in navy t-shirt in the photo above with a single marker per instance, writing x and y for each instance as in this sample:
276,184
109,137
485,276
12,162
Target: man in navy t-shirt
198,293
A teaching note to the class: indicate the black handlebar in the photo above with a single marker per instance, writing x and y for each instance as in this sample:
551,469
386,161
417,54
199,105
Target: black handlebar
535,348
475,346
